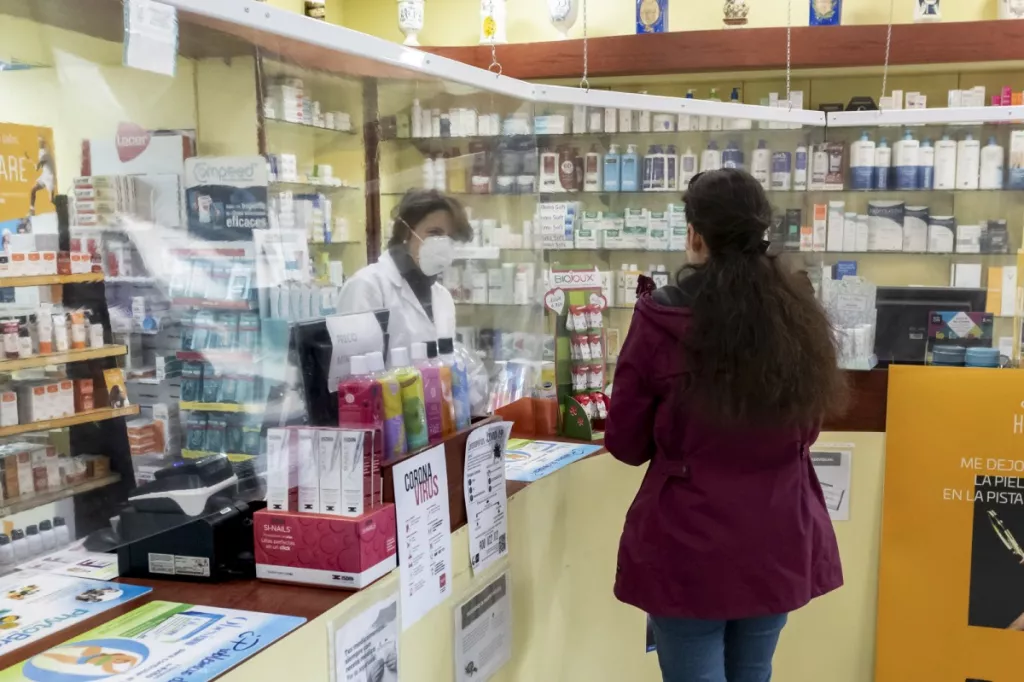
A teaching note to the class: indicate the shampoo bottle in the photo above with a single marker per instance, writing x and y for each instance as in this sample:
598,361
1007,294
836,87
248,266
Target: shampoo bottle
991,176
592,171
433,402
687,167
360,404
761,164
630,170
711,158
945,163
447,402
413,410
883,164
968,161
612,169
460,382
800,168
60,530
926,165
862,163
394,418
907,162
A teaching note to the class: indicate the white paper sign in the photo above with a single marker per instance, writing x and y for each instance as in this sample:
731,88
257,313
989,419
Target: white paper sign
486,499
355,334
832,464
483,632
366,647
150,36
424,533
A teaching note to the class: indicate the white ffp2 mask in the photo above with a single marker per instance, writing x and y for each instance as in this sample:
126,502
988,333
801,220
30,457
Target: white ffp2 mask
436,254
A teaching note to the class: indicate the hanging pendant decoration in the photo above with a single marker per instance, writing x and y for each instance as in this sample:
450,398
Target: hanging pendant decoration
927,10
734,13
493,22
1011,9
651,16
826,12
410,20
563,15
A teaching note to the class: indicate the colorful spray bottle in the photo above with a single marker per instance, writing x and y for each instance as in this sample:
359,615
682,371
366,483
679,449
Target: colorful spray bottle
433,403
460,382
394,419
413,410
448,402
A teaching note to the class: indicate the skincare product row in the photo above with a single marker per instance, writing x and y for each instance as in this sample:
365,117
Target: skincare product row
508,168
26,402
221,383
225,331
211,433
31,468
585,326
298,302
217,279
313,214
561,225
284,167
322,471
18,263
31,541
49,331
287,99
423,122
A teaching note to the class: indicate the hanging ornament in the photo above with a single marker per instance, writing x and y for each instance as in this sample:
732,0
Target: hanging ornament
410,20
563,15
651,16
493,22
927,10
735,13
1011,9
826,12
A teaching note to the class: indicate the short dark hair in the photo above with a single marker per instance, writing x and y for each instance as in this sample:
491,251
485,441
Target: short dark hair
761,349
417,204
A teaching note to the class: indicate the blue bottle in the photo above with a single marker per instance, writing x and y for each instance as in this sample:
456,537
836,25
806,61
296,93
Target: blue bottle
926,165
862,163
883,164
732,156
906,165
630,170
612,169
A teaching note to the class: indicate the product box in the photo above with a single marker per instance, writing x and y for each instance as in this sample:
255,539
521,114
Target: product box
635,228
819,228
658,231
83,396
65,398
350,478
612,232
836,218
677,227
8,408
31,402
319,549
588,234
282,471
308,442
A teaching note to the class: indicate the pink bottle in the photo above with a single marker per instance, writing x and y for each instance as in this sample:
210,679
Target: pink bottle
433,395
360,404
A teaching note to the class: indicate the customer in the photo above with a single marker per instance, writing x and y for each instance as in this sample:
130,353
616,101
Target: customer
722,385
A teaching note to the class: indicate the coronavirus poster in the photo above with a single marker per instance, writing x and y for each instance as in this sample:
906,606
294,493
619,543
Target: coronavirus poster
951,603
28,179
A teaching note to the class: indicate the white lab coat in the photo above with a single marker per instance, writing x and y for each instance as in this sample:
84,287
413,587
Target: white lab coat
381,286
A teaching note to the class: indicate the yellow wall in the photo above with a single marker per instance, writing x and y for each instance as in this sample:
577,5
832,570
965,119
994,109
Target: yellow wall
454,22
563,537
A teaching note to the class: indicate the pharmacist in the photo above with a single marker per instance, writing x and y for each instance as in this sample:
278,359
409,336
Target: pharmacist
404,280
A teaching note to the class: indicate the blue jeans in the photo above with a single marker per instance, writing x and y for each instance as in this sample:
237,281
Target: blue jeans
717,650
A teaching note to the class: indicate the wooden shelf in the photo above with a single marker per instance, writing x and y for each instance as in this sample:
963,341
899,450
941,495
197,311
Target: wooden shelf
24,503
74,420
235,408
62,358
46,280
232,457
755,49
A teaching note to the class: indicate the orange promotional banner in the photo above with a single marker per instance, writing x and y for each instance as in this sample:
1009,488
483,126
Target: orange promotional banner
28,177
951,580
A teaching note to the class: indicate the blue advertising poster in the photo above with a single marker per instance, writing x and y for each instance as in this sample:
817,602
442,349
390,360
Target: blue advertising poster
158,642
34,604
226,197
529,460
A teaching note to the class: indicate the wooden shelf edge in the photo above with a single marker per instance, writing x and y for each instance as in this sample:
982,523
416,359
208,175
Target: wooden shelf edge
63,358
81,418
754,49
38,500
235,408
46,280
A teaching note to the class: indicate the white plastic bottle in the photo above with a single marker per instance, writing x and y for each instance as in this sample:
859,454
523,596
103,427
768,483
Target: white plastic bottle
945,164
862,163
926,165
883,164
592,171
19,546
47,535
761,164
906,162
714,122
687,167
800,168
711,158
441,173
6,554
992,160
428,173
968,162
417,119
35,543
60,529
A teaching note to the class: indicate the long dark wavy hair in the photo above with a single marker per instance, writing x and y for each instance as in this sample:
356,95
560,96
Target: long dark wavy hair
761,349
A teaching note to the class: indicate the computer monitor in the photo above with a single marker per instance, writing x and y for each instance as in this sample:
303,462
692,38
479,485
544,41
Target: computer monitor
901,333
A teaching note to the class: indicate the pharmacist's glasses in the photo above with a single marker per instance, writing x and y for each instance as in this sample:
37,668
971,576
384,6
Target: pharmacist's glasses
1005,535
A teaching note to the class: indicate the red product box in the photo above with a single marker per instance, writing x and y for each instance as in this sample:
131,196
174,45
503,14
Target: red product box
321,549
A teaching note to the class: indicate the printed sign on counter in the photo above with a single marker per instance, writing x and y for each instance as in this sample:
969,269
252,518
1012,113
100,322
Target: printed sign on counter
158,642
832,463
486,499
77,563
34,605
424,533
483,632
529,460
366,647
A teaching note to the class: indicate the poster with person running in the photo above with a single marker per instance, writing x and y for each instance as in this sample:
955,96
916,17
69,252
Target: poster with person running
28,179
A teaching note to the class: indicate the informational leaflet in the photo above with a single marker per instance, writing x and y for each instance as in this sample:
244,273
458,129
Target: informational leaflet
150,36
158,642
483,632
424,533
486,499
366,647
34,605
529,460
832,463
77,563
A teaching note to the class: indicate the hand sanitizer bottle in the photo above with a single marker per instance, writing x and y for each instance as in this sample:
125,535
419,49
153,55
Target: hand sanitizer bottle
907,162
945,164
612,169
862,162
991,166
883,163
630,170
968,160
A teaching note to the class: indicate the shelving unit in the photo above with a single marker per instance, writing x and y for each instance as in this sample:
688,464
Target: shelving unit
24,503
234,408
98,415
50,280
108,351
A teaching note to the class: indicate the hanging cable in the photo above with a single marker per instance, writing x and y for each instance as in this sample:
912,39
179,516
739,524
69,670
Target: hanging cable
585,81
888,45
789,49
